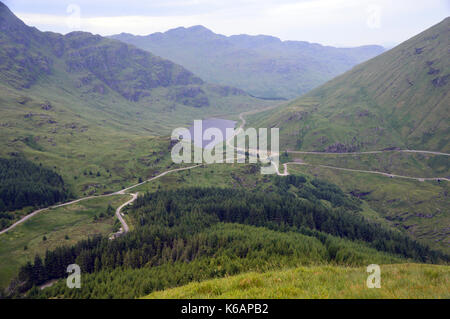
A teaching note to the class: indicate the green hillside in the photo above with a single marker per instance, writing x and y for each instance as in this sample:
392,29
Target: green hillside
103,80
397,99
401,281
82,116
262,65
197,233
93,109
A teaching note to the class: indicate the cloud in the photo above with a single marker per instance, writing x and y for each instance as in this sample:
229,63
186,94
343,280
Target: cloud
334,22
109,25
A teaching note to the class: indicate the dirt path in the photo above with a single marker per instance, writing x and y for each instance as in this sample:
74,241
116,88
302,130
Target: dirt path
253,152
125,227
121,192
420,179
370,152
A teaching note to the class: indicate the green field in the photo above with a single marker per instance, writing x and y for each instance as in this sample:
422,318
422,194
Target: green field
400,281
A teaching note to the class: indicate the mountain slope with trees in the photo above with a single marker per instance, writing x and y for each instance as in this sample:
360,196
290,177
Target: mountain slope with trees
198,233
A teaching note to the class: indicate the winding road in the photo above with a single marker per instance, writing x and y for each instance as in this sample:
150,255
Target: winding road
370,152
420,179
125,227
25,218
285,165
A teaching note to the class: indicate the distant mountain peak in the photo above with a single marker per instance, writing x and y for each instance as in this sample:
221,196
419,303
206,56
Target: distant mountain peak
199,28
193,30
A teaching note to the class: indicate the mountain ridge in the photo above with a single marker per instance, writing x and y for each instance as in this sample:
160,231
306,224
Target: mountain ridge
262,65
202,29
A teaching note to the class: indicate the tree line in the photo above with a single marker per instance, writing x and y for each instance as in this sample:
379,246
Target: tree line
236,230
23,183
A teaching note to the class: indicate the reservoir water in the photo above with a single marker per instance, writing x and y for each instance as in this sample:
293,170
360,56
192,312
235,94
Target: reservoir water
220,124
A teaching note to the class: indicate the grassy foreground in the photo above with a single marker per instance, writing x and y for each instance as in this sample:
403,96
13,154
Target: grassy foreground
397,281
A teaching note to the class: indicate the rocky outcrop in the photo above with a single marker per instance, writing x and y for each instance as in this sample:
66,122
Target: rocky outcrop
441,81
190,96
226,90
92,61
340,148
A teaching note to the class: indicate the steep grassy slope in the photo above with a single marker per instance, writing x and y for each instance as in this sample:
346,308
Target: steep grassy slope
410,281
397,99
262,65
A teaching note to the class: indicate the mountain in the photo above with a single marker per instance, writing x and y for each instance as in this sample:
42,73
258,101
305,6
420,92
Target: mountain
82,116
93,68
399,99
29,55
262,65
81,104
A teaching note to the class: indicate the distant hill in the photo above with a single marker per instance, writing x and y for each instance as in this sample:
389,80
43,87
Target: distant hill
262,65
400,98
95,70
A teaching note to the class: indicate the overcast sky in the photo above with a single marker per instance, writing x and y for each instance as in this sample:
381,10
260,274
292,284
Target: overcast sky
329,22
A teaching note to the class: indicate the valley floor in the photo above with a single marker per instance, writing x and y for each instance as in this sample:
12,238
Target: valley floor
399,281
